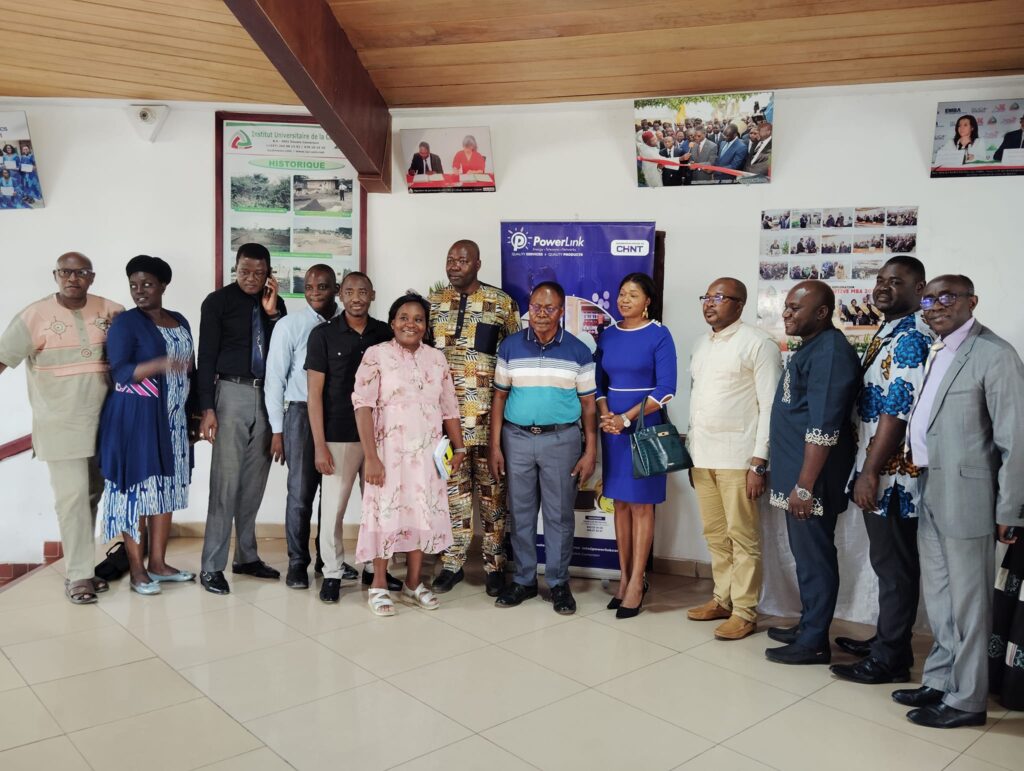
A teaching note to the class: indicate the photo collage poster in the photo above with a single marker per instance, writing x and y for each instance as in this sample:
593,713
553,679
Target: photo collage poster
287,186
843,246
19,174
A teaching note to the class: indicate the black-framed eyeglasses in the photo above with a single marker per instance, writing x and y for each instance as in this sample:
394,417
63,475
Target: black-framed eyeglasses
717,299
946,299
69,272
547,310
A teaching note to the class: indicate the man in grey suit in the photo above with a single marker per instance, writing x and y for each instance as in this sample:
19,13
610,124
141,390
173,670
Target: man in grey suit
703,150
967,437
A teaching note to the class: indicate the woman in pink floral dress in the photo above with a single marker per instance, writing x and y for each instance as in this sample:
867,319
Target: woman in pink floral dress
403,395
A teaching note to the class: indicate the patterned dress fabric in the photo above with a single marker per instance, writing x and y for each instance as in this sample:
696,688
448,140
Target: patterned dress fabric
1006,646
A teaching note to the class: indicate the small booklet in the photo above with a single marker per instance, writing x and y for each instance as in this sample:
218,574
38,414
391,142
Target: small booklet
443,455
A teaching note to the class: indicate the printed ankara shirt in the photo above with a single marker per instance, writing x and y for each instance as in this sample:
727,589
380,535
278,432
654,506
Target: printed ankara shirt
468,329
894,366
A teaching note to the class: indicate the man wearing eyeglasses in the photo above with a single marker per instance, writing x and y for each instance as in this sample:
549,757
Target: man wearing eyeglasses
735,369
469,319
967,437
63,338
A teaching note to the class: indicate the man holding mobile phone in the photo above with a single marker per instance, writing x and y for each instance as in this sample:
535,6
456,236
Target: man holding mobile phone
234,338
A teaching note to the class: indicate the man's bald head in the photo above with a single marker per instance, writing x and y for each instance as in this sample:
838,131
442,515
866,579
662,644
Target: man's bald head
809,308
819,293
955,281
80,260
471,247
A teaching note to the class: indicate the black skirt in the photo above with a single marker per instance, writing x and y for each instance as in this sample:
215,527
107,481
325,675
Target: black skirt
1006,646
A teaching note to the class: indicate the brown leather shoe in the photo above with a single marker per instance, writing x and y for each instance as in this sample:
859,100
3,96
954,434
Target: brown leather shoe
736,628
709,611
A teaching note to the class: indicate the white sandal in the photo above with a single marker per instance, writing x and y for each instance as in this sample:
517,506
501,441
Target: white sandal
380,602
420,596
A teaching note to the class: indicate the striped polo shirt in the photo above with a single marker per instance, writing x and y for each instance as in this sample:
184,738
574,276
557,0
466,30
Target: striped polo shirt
544,382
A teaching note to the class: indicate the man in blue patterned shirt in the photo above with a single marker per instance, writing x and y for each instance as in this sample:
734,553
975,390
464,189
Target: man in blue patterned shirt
884,482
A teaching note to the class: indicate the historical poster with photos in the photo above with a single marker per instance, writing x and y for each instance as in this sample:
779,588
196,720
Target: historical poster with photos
19,173
448,160
708,139
286,185
979,138
843,246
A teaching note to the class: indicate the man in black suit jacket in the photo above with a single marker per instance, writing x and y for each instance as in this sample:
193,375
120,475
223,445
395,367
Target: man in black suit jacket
425,162
1012,140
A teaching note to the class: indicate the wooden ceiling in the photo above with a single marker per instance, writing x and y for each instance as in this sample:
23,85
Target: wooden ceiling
462,52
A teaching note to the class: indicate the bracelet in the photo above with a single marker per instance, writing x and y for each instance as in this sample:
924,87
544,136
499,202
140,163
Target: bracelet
460,450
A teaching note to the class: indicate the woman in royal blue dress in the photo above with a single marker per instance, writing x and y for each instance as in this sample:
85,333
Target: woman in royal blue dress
144,450
636,369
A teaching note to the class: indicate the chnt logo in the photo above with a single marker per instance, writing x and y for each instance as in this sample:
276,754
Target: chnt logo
240,141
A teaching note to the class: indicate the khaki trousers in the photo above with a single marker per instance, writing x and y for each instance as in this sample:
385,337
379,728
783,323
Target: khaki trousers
733,532
77,487
335,490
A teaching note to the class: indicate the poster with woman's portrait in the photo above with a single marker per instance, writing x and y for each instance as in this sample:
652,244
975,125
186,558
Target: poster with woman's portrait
448,160
979,138
19,175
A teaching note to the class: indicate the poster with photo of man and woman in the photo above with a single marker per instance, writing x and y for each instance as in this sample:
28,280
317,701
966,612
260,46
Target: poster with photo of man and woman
979,138
845,247
19,174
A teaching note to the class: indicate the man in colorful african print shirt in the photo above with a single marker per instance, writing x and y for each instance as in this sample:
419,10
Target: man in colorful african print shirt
468,320
884,483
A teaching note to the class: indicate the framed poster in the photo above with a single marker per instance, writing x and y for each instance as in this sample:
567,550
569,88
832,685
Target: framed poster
19,174
283,183
448,160
979,138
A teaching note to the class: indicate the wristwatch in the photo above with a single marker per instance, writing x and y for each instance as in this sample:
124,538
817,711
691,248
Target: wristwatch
802,494
760,469
626,422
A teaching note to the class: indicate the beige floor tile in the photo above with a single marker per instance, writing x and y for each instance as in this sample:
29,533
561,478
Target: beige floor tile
801,736
74,654
485,687
722,759
874,703
100,697
263,759
271,679
478,616
746,657
57,754
1003,743
471,586
358,725
662,622
180,737
51,619
253,589
963,763
175,601
387,646
186,642
587,651
24,719
474,751
9,677
593,731
723,703
41,588
304,612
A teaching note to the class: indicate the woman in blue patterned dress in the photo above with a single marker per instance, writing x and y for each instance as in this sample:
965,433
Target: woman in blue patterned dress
636,360
144,450
29,174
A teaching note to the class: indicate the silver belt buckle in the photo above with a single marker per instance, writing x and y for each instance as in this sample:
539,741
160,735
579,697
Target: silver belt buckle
535,430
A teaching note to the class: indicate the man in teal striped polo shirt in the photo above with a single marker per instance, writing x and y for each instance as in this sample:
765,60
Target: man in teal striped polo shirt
543,389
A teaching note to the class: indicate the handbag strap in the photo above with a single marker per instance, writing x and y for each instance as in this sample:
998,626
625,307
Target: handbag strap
662,409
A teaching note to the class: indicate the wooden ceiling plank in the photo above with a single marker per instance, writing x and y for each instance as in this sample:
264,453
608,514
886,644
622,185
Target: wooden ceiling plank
198,11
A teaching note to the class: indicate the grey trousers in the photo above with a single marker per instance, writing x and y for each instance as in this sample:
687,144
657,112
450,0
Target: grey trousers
238,474
538,469
303,480
956,575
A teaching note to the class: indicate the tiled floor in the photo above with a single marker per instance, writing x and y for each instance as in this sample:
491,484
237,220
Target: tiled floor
270,678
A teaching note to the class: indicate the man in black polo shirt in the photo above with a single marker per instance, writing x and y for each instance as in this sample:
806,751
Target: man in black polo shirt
333,354
234,337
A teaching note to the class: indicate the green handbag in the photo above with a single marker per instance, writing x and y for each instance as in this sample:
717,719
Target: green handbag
657,449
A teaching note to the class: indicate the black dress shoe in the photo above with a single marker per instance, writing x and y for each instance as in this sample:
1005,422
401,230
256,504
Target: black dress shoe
562,599
918,697
318,567
798,654
214,582
515,594
943,716
784,634
446,580
870,671
495,582
394,585
349,573
860,648
257,569
330,591
297,578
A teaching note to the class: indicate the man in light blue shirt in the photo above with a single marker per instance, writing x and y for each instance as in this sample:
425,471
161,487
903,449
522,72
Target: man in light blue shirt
291,439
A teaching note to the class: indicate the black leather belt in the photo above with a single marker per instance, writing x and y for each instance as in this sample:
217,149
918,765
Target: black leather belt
543,429
255,382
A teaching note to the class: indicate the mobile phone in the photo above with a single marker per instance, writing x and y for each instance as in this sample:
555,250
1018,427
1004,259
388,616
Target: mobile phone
1011,533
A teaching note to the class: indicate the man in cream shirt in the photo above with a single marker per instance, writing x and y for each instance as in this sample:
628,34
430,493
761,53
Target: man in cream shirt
735,371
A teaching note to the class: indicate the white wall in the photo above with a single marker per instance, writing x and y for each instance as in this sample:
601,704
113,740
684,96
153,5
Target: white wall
112,196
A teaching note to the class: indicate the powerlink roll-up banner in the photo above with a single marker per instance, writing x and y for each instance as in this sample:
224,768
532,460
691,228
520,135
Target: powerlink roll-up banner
588,259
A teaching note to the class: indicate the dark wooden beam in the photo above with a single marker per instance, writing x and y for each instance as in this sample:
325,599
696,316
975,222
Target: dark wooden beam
303,40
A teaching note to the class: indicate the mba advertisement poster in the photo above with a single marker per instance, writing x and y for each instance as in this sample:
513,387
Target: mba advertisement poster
589,260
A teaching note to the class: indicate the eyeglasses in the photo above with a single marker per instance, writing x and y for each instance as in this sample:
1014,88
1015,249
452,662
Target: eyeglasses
946,299
69,272
547,310
717,298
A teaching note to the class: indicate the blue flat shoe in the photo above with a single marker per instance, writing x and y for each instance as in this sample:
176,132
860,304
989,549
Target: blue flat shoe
153,587
182,576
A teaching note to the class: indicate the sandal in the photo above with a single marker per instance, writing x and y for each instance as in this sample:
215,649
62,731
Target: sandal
81,592
99,585
381,603
420,596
